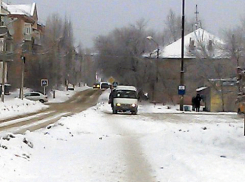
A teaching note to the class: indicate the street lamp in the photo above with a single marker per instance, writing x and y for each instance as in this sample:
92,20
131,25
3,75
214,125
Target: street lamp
157,51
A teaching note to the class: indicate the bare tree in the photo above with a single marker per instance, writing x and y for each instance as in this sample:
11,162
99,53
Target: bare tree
172,30
58,60
235,46
120,55
235,49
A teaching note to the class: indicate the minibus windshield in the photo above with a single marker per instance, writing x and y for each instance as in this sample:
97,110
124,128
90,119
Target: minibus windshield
126,94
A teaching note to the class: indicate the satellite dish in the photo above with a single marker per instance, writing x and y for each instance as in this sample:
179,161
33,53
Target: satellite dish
9,24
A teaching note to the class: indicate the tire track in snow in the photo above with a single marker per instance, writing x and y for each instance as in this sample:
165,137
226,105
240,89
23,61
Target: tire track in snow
79,102
32,126
138,168
7,123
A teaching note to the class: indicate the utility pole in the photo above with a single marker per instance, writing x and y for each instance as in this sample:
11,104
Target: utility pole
3,81
23,58
182,57
196,17
4,68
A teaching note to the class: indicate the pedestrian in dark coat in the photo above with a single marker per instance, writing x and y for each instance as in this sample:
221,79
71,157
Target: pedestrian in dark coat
111,97
193,101
198,102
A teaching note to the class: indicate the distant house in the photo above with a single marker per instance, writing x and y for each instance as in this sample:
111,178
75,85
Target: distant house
26,32
25,22
203,60
192,45
6,45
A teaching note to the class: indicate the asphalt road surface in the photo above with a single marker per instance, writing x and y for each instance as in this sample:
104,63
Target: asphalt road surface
34,121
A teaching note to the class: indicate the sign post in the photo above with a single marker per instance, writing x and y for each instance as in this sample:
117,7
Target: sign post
181,92
44,84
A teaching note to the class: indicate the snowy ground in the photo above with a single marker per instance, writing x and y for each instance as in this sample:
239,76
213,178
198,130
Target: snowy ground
96,146
14,106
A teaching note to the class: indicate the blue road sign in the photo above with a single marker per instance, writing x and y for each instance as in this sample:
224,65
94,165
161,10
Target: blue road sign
44,82
181,90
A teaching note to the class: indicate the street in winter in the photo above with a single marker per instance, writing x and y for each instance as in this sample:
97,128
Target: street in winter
122,91
158,144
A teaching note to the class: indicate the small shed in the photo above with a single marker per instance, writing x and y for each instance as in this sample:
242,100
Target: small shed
219,95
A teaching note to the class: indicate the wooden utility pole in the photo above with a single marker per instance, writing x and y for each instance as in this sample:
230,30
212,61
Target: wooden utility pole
23,59
196,17
4,69
3,80
182,56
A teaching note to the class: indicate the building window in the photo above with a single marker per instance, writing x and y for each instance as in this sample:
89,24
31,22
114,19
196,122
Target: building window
27,29
1,21
1,44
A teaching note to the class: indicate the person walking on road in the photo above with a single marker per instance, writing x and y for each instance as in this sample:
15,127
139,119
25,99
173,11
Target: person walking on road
198,102
111,97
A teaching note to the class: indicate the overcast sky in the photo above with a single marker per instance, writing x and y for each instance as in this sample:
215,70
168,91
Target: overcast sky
98,17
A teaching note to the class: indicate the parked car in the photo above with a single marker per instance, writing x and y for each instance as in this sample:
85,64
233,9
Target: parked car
71,87
36,96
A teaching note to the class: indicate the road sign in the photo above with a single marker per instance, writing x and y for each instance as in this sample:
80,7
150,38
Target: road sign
111,80
115,84
181,90
44,82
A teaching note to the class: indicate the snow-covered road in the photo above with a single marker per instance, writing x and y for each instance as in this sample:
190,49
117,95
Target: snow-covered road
42,118
97,146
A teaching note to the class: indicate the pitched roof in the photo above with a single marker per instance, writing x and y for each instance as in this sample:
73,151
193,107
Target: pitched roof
199,36
22,9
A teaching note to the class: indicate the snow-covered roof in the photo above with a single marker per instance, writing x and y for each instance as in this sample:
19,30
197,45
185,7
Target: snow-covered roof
201,88
197,37
40,23
21,9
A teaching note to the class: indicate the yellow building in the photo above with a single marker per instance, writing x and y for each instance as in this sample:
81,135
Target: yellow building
219,95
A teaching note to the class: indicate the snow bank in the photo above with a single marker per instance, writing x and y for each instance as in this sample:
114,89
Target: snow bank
15,107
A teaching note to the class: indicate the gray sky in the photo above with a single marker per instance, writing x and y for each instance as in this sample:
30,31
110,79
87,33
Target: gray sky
98,17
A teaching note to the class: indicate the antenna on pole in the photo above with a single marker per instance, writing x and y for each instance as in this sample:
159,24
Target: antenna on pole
197,21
